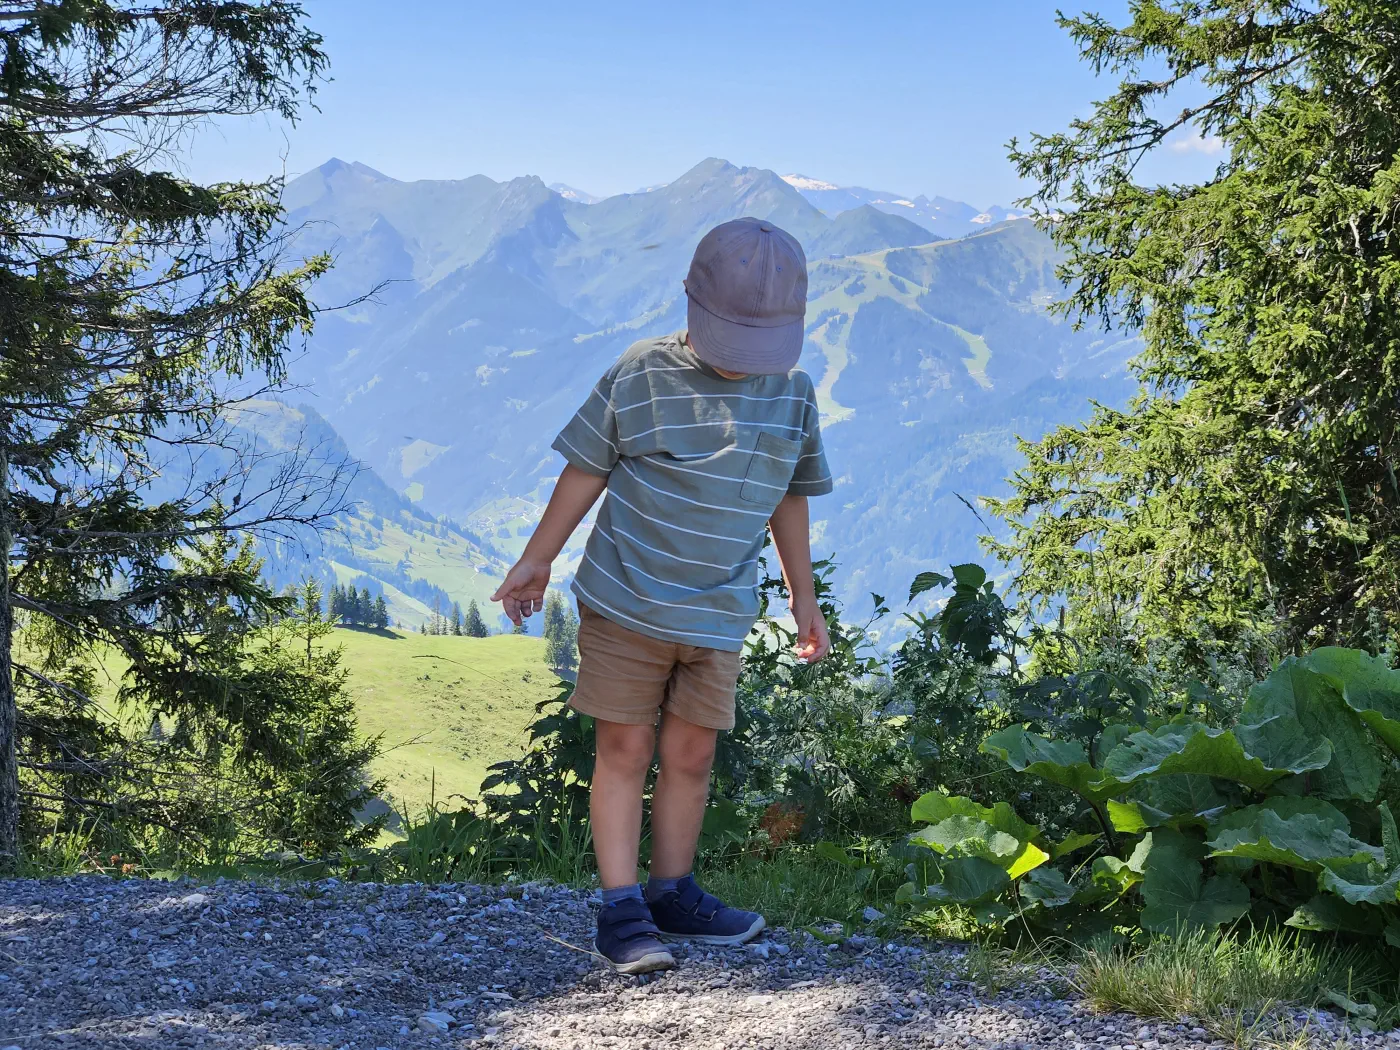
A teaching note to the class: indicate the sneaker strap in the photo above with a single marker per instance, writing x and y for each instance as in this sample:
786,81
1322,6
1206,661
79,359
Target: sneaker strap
696,901
629,919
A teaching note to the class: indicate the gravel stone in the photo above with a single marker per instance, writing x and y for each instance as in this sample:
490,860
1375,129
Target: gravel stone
99,964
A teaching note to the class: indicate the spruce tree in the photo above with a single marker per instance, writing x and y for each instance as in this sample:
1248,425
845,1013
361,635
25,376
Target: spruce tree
567,649
133,298
474,626
311,624
553,628
1252,482
381,613
456,624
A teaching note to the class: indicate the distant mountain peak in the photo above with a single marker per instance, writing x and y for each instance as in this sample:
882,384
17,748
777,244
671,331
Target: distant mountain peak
336,166
708,169
802,182
573,193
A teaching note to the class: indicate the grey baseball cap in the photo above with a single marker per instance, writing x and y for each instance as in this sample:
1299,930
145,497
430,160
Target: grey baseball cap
747,288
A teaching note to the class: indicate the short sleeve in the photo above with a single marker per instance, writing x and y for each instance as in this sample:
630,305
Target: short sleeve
589,441
812,477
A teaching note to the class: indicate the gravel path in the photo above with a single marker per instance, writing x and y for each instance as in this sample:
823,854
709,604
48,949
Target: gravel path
97,963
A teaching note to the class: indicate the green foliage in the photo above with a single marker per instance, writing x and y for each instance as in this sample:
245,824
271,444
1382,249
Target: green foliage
473,626
539,802
1212,825
819,738
442,846
139,309
266,753
1244,989
560,633
1252,482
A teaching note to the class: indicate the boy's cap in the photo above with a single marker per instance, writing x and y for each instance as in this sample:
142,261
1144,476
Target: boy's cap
748,295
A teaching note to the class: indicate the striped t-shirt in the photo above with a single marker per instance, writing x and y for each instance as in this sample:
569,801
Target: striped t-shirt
696,465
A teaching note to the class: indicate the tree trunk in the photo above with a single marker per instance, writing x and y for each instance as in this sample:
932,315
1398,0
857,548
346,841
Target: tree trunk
9,769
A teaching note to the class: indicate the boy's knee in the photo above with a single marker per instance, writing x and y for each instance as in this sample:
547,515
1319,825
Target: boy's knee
691,757
626,748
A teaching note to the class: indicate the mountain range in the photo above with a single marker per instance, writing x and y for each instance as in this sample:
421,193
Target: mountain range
496,306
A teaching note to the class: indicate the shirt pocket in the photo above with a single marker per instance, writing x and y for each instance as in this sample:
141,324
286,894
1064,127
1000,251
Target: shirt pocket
771,466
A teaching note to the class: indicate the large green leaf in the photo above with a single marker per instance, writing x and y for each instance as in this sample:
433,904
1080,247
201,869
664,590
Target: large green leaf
1390,836
1173,800
969,880
1062,762
1367,685
1177,896
1110,877
1206,751
968,836
1326,913
1047,887
1297,832
1133,818
960,827
935,806
1295,694
1074,841
1360,883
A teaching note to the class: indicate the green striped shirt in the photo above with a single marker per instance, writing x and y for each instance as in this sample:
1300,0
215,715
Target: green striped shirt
696,465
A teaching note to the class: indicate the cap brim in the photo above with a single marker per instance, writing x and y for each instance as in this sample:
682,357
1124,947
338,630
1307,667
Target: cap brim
745,348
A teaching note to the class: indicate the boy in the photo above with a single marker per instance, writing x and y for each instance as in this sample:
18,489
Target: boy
701,440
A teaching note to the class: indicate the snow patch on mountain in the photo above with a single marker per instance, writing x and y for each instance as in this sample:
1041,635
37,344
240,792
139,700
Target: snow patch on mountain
802,182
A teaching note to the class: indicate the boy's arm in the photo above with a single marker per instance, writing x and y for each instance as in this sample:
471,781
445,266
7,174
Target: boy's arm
792,537
522,592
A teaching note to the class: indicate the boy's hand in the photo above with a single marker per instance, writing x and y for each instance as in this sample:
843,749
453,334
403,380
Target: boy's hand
522,592
813,642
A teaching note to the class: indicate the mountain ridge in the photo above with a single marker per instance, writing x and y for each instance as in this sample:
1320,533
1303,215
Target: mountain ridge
508,300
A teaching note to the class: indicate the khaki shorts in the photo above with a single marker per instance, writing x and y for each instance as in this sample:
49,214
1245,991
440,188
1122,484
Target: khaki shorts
628,677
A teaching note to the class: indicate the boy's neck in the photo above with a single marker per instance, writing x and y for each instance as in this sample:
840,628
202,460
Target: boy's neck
685,342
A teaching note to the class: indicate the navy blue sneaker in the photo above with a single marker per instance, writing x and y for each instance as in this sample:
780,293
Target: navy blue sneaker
628,938
688,913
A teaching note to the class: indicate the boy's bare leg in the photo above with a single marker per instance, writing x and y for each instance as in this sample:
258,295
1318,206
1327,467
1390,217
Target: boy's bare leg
682,786
624,754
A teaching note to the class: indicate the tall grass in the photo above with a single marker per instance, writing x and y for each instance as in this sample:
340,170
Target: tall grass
1239,986
794,887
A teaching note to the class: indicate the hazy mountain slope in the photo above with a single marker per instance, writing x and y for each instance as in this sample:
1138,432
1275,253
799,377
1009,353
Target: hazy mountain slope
573,193
930,354
381,540
939,215
865,229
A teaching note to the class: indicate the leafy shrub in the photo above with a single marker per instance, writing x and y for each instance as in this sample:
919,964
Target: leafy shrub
816,738
538,803
1274,819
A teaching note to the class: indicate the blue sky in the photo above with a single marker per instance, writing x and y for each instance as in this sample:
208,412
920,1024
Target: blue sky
912,97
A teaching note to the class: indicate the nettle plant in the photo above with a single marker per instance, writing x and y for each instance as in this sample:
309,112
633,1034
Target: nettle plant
1276,819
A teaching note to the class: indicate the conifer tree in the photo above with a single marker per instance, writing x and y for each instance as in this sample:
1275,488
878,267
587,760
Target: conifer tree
131,297
567,649
474,626
311,624
456,623
1249,491
381,613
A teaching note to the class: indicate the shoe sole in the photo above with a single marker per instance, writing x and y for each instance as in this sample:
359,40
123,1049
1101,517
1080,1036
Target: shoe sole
649,963
715,939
